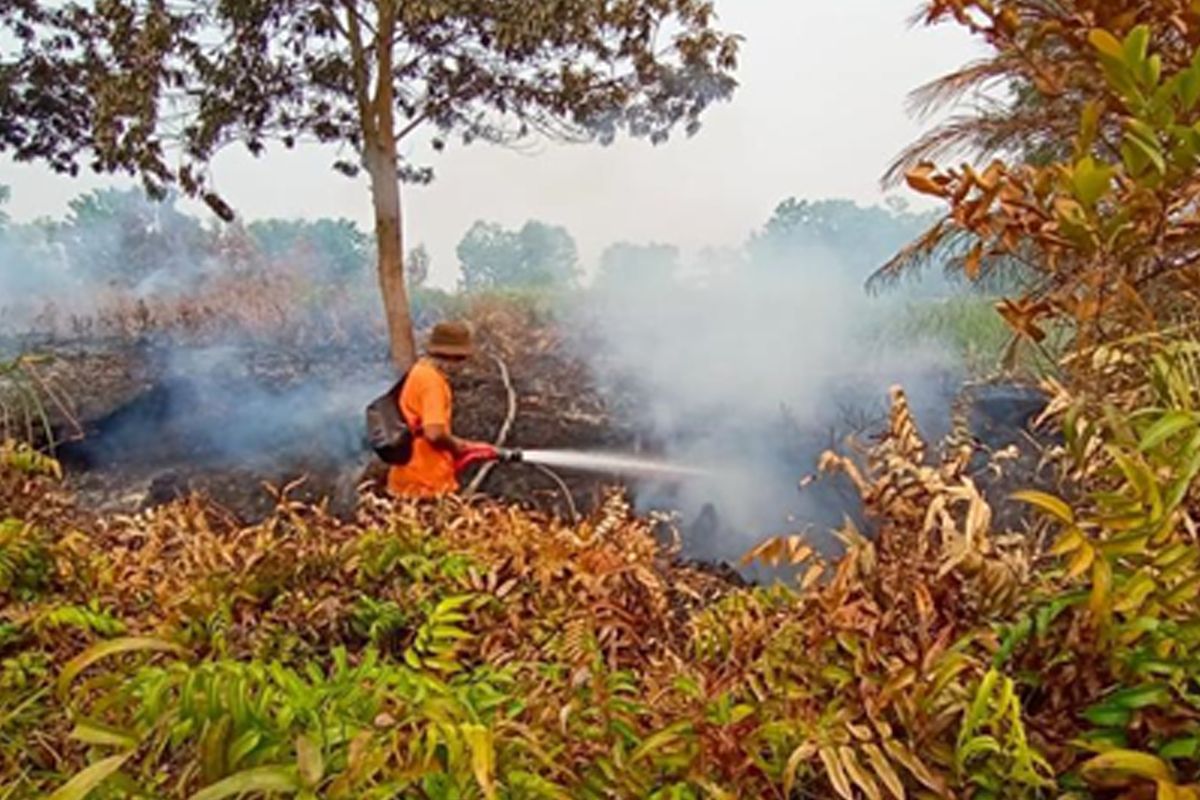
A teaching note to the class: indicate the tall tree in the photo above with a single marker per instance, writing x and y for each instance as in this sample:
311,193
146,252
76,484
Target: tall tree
122,237
116,83
833,234
334,249
538,255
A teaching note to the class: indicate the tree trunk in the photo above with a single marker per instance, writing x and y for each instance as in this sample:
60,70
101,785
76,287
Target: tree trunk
389,236
378,119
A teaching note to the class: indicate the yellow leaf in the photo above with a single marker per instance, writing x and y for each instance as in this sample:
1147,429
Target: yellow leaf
883,768
108,648
801,754
483,758
80,786
1081,561
1106,43
861,778
1070,541
900,753
835,772
310,765
1117,764
1048,503
1184,593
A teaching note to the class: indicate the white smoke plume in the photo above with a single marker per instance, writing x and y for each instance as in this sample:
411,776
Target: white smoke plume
751,371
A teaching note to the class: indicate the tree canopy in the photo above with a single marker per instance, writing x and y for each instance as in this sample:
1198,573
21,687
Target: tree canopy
536,256
159,89
860,237
333,248
629,265
122,237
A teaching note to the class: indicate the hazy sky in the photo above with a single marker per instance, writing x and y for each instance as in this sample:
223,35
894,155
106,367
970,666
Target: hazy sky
820,112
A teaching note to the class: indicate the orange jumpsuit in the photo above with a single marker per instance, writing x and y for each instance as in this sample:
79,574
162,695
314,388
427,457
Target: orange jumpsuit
425,400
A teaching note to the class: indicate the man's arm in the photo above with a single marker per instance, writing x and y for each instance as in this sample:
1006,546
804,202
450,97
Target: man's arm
435,411
442,439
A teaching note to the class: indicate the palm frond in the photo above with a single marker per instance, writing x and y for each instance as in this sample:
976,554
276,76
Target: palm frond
977,137
949,89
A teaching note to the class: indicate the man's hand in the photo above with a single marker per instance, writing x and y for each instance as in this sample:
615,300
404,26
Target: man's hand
440,437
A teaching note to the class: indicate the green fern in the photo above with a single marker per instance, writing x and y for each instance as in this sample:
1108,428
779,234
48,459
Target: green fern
88,619
993,753
381,622
25,563
440,637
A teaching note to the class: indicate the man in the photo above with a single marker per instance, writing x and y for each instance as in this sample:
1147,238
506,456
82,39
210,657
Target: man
427,405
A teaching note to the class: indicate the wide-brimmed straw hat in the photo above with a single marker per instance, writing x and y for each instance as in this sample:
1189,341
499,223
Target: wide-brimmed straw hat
450,340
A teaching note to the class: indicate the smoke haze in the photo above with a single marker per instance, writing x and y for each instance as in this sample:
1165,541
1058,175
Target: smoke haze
752,370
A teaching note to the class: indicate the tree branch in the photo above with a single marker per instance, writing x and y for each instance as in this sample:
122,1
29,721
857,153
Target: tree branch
412,125
358,55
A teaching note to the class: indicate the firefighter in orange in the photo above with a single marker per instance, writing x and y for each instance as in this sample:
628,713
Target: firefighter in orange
427,404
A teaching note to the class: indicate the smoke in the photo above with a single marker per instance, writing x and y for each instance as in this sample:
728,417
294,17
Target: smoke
226,406
751,369
119,248
743,364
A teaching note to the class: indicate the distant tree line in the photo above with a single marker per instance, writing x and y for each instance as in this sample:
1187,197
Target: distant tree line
123,239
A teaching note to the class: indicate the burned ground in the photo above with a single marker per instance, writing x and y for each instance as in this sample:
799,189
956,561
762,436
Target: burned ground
141,421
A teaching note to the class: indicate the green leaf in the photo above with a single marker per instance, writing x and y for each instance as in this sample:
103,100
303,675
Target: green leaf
1137,45
1148,149
89,778
95,733
1181,748
1152,73
1140,697
535,786
1189,86
1090,181
111,647
979,745
1105,715
259,779
242,746
1171,424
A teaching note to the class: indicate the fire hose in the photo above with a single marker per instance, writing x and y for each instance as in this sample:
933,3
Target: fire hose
484,453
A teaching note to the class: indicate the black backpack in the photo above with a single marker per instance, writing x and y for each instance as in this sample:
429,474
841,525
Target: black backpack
387,432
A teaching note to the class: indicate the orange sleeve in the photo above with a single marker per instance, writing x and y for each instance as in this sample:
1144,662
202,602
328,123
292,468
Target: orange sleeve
433,400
